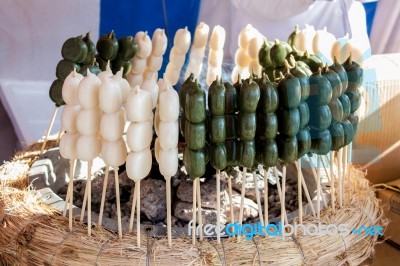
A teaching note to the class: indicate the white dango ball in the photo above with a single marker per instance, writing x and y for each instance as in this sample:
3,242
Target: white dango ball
138,164
235,74
168,162
160,42
195,69
147,74
151,86
144,42
162,85
154,63
124,86
88,121
339,50
169,105
255,68
157,149
112,126
68,117
139,136
201,35
169,135
68,143
322,45
241,58
237,70
134,79
88,91
212,73
172,73
255,46
157,121
182,40
215,57
304,39
88,147
197,55
217,39
114,153
139,106
244,73
106,73
70,87
110,99
138,65
245,35
177,58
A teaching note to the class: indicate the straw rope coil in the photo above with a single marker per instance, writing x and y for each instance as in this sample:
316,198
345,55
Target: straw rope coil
31,233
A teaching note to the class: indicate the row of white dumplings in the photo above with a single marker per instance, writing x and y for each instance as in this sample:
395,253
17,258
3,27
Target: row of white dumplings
94,120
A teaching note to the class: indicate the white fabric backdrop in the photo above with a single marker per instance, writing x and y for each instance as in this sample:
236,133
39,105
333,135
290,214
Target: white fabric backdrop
385,33
32,33
276,19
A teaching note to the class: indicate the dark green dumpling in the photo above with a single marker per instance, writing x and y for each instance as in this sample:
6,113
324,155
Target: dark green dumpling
74,50
107,46
55,92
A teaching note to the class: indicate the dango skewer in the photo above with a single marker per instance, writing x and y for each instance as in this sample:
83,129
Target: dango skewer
139,136
166,149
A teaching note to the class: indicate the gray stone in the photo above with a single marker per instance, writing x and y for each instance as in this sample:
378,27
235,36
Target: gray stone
250,208
208,192
53,171
153,202
173,220
237,177
183,211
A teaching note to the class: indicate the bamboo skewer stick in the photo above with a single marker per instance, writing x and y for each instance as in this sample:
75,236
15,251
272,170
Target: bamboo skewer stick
194,212
260,213
103,195
168,190
344,169
303,182
340,185
199,209
218,206
118,202
85,197
67,200
316,181
299,191
332,182
283,202
318,189
326,169
59,135
266,195
53,117
71,191
89,202
135,193
279,192
230,199
242,199
84,204
138,231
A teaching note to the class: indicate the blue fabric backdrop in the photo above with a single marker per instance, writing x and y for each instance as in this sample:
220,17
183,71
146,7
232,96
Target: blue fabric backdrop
126,17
